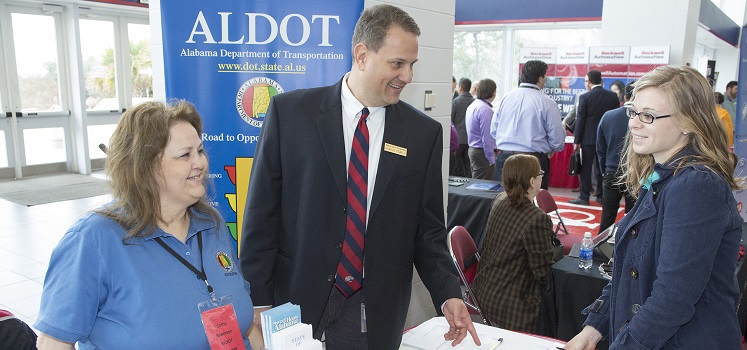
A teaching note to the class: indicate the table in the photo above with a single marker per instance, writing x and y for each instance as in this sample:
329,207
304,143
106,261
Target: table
569,290
559,167
469,208
430,335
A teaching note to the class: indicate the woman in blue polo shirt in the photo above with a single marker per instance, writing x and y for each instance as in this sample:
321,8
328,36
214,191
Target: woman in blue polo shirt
131,274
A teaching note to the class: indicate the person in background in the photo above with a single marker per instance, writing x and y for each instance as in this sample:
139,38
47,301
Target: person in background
119,278
473,90
517,252
460,165
673,284
618,87
725,118
730,102
453,140
610,141
368,187
15,334
454,87
481,145
526,120
591,106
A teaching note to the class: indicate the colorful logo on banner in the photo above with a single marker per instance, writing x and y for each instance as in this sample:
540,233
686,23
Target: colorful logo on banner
253,99
229,58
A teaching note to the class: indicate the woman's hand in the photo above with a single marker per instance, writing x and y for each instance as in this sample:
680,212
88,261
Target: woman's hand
255,331
586,340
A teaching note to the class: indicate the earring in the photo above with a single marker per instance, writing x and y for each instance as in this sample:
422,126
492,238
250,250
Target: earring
684,133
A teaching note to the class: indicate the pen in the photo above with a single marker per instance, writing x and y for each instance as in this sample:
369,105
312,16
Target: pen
500,340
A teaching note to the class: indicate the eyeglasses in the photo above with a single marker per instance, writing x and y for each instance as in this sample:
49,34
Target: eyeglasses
542,172
644,117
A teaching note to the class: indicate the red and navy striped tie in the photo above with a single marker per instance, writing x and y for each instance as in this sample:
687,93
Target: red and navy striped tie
350,270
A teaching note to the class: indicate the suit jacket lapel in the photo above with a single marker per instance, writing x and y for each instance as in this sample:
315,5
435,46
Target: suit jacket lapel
329,124
395,133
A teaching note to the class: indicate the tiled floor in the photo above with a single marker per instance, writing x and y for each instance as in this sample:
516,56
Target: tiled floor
27,237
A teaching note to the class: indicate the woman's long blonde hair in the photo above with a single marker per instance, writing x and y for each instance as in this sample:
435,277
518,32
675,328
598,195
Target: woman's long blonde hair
691,99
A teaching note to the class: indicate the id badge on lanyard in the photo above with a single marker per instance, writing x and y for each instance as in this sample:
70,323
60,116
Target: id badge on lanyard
220,323
218,315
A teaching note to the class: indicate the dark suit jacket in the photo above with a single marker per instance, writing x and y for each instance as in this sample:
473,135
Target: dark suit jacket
294,220
459,114
591,107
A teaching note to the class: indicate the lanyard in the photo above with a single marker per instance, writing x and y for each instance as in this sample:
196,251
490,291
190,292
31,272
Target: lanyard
200,273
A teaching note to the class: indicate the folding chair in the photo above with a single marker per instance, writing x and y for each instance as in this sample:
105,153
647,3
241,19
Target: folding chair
548,205
465,257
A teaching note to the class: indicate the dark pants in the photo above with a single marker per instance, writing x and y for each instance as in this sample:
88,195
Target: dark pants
481,168
341,322
612,194
542,157
588,161
459,162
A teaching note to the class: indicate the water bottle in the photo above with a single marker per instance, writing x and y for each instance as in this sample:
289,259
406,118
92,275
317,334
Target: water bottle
585,253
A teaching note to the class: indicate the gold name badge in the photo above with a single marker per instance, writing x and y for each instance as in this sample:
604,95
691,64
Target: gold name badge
395,149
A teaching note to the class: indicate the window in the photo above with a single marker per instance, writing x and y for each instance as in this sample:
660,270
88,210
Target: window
44,145
3,150
141,62
478,55
97,135
34,37
98,55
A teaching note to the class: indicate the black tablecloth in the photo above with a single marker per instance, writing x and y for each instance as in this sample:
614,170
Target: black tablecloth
571,289
469,208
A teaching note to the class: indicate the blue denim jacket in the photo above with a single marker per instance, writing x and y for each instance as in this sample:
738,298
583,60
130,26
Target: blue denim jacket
674,284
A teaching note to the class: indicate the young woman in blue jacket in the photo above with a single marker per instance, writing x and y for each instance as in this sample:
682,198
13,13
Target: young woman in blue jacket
673,285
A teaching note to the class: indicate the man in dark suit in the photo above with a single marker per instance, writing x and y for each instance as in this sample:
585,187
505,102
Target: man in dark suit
613,128
302,207
591,106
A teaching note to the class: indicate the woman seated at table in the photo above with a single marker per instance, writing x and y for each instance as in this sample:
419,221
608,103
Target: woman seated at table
673,283
130,274
517,251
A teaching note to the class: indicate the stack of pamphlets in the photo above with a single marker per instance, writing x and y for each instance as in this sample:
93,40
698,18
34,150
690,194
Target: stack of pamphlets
277,319
282,329
296,337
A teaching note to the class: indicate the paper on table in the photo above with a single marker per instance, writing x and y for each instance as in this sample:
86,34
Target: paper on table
433,338
430,335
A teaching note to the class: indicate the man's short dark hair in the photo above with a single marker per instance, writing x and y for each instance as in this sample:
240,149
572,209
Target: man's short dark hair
731,84
374,24
595,77
532,71
629,90
486,89
465,84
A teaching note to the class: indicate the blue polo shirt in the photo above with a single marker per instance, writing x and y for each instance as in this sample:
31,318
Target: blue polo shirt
108,295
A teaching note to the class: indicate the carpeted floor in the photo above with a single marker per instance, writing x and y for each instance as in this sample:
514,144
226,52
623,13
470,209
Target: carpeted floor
581,218
47,189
